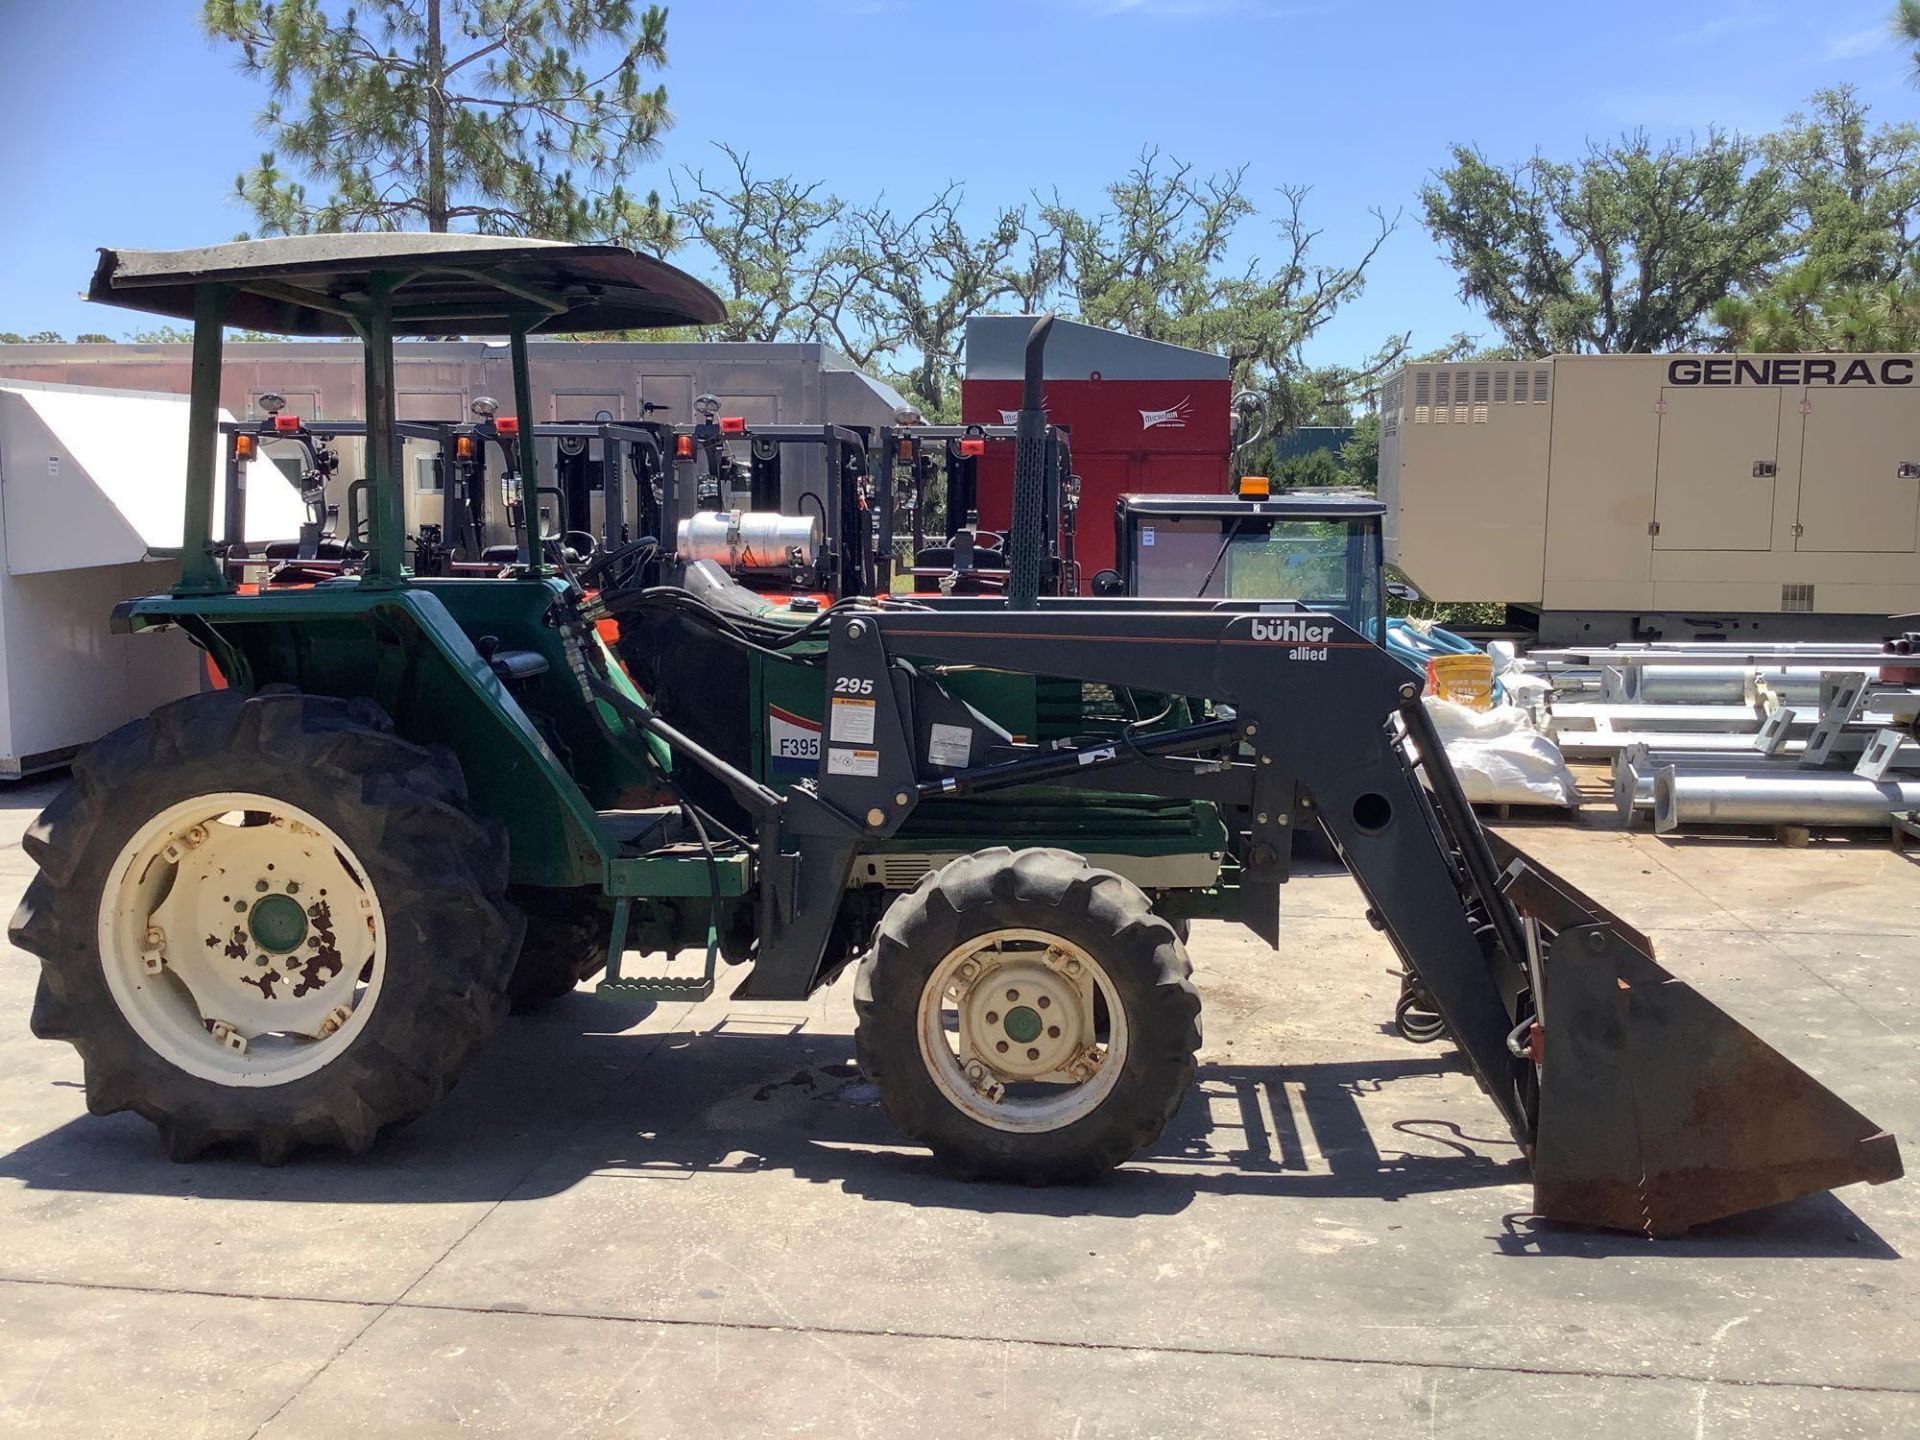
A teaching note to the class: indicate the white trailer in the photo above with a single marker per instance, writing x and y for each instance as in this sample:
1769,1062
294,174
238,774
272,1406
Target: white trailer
91,495
1621,497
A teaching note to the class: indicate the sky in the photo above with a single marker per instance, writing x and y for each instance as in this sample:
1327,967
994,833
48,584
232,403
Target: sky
126,127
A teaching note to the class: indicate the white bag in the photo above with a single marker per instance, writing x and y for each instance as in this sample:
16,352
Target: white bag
1500,758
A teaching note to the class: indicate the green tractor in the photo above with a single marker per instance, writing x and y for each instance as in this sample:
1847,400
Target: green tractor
291,910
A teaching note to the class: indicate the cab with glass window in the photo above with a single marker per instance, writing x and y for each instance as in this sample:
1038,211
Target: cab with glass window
1319,547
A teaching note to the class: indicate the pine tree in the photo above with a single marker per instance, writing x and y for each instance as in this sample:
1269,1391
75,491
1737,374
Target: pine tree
454,114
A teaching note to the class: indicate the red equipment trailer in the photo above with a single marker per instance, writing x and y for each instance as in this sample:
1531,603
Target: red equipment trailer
1143,415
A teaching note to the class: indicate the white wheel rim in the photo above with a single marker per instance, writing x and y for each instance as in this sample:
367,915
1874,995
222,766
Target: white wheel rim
1008,1031
241,939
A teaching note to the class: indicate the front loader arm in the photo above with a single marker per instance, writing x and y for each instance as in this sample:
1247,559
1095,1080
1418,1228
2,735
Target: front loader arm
1639,1104
1317,714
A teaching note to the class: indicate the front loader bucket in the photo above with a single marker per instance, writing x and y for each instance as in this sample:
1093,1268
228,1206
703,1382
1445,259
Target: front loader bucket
1658,1111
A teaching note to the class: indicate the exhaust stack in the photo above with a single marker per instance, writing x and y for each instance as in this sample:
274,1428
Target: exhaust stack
1026,538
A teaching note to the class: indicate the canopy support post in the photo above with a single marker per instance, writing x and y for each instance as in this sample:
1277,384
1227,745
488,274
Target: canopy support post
201,571
387,521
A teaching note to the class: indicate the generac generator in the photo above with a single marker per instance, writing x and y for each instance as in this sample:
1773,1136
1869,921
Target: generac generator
1619,497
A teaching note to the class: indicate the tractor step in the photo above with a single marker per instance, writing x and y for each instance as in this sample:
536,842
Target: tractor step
649,987
657,987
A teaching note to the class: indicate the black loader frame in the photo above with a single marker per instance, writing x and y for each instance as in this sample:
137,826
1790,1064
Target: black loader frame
1640,1105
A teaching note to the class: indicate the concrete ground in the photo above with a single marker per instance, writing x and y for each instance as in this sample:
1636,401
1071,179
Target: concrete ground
695,1220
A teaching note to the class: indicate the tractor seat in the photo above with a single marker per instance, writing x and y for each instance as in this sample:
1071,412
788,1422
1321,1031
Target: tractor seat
941,557
511,665
965,582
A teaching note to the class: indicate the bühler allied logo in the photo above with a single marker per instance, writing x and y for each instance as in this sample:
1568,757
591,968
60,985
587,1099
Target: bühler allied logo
1308,641
1174,417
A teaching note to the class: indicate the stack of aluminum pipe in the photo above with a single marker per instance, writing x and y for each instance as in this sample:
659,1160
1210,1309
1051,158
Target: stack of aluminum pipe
1815,736
1606,700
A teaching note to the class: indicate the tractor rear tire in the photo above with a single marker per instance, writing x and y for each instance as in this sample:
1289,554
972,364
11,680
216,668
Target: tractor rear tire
998,978
567,936
285,861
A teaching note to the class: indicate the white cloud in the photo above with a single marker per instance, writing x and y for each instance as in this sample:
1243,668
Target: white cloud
1855,43
1742,17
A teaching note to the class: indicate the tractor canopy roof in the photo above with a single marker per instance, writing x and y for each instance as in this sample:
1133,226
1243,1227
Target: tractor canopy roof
439,284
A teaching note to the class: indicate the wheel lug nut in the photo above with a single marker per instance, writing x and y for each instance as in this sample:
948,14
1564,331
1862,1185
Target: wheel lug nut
1043,1002
1001,1047
1013,994
1033,1054
992,1018
1053,1032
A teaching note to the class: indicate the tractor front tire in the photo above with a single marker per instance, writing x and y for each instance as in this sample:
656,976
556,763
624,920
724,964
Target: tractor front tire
1027,1016
267,920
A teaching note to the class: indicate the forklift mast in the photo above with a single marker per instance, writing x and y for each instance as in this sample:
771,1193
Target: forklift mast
972,560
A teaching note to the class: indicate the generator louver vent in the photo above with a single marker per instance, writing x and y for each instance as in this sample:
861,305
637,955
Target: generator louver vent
1540,386
1796,599
1500,387
1422,396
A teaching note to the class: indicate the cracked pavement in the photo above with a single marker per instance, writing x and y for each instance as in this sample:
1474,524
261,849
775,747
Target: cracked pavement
693,1219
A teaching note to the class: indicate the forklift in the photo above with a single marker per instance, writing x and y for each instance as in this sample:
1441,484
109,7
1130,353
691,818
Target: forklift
289,912
738,520
971,560
874,476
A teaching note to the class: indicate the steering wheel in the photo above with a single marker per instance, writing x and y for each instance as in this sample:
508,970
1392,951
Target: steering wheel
587,553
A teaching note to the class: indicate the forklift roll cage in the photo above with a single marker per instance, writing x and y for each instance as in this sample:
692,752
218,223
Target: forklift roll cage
861,499
643,447
1639,1105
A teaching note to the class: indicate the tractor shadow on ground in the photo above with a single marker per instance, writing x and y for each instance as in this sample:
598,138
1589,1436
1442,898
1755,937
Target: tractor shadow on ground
566,1096
1244,1130
1816,1226
34,793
